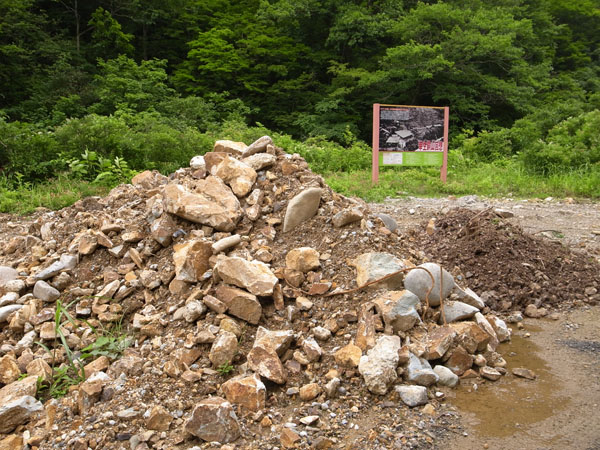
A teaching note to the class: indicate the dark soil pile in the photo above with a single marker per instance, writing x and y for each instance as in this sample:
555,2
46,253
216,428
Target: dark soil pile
507,267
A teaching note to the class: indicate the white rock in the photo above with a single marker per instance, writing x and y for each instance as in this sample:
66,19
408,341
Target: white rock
45,292
378,366
455,311
412,395
419,371
198,162
446,376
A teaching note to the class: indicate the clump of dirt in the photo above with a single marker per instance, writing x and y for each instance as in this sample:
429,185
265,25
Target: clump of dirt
508,267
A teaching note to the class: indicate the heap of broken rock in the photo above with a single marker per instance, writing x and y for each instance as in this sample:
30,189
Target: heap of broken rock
224,266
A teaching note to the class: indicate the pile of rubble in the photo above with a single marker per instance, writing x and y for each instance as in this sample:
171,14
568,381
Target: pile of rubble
228,279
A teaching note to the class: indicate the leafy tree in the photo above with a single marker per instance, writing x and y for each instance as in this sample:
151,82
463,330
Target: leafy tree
122,84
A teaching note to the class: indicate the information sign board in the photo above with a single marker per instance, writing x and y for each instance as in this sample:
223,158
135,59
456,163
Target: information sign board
410,136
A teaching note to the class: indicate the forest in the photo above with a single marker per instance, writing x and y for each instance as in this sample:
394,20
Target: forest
92,91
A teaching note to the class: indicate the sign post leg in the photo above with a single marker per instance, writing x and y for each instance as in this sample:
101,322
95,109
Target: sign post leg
375,161
444,169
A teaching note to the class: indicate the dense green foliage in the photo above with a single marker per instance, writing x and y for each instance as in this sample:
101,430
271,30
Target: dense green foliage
100,89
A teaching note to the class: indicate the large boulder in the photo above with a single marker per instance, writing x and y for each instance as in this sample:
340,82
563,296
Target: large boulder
418,282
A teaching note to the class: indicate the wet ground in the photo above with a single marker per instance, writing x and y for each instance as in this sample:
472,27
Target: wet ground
558,410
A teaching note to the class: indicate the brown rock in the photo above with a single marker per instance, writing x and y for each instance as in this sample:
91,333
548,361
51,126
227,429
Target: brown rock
223,349
99,364
471,336
524,373
162,230
240,303
9,369
214,304
17,412
159,419
25,387
346,217
231,147
264,360
303,259
238,175
12,442
247,391
294,277
88,244
459,361
439,341
310,391
191,260
277,340
489,373
39,368
302,207
213,419
148,179
365,332
348,356
289,438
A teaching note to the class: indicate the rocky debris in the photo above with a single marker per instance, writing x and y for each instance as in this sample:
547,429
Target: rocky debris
455,311
419,371
373,266
215,277
213,420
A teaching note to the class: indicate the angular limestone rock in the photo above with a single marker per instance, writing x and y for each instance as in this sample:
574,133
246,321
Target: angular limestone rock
247,391
420,372
373,266
252,275
231,147
378,366
258,146
213,419
303,259
240,304
455,311
265,361
17,412
398,309
239,176
439,341
302,207
347,216
191,259
260,161
212,204
412,395
223,349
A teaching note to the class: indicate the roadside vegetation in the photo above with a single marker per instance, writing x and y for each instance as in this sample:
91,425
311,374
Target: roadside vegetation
94,92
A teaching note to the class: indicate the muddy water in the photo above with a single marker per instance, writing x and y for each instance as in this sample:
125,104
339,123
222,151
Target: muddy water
512,404
558,410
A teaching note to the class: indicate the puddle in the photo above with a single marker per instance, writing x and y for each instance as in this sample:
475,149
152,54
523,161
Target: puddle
511,405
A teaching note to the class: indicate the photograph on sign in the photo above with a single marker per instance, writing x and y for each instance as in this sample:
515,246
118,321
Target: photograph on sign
411,129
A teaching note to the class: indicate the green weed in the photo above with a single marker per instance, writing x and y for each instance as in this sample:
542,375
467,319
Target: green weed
225,369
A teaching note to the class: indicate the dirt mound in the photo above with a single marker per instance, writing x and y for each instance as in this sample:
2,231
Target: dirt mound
510,269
